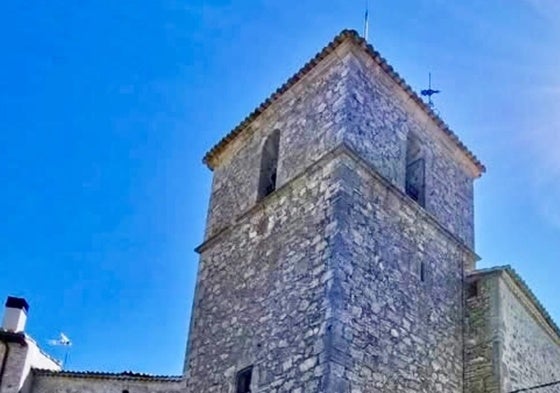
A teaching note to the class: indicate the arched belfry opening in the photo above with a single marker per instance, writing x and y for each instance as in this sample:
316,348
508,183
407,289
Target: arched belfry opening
269,165
415,180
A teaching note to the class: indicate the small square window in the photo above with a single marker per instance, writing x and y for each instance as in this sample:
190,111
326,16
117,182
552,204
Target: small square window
243,383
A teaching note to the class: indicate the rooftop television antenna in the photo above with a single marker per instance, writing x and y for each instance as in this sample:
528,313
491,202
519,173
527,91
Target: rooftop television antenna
62,341
429,92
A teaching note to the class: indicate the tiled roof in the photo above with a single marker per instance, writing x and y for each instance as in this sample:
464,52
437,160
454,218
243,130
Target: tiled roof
525,288
126,375
353,36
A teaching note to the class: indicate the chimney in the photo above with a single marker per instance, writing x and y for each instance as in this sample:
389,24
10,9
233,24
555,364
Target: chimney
15,314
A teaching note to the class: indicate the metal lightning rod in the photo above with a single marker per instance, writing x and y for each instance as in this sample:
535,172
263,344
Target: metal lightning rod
366,22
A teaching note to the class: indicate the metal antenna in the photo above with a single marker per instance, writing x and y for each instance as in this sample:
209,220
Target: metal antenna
65,363
429,92
62,341
366,21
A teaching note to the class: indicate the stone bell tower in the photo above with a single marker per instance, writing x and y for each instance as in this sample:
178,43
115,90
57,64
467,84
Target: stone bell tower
339,232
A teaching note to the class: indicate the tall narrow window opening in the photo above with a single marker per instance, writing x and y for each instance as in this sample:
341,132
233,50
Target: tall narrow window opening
243,383
415,171
269,165
422,272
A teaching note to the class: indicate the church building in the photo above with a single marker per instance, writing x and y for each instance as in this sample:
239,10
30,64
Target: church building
338,257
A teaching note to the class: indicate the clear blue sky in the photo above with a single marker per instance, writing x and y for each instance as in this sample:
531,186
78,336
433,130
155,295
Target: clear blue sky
107,108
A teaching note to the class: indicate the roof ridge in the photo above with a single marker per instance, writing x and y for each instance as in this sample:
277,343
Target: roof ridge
329,48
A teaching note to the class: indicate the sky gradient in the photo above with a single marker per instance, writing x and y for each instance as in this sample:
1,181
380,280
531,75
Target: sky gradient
108,107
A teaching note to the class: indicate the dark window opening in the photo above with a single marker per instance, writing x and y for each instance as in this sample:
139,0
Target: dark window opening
244,380
415,171
269,165
472,290
125,391
422,272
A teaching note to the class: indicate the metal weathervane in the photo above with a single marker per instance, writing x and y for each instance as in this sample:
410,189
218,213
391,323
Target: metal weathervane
429,92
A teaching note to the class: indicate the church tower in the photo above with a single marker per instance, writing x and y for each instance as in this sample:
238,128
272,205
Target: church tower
339,234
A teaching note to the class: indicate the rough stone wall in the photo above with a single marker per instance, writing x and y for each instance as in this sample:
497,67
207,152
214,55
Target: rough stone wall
14,372
55,384
345,98
482,345
260,297
310,121
379,120
393,331
318,285
2,354
509,343
530,355
319,289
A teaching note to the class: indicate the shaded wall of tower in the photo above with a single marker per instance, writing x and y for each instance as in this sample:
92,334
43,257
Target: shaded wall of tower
398,267
397,320
381,119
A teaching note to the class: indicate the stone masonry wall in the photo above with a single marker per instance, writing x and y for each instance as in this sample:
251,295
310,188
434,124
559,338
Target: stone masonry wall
310,120
319,285
346,98
56,384
393,331
379,121
13,374
530,354
2,354
481,339
509,344
260,297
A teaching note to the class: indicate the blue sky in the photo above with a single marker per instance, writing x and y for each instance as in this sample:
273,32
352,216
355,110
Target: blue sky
108,107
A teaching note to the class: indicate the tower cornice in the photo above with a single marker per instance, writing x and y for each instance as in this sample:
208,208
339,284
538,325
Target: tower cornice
347,151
